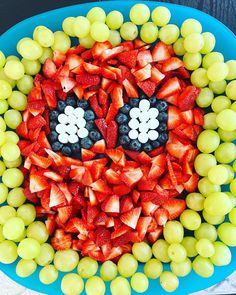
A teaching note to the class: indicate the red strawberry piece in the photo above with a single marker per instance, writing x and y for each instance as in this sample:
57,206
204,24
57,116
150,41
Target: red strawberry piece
79,91
87,155
34,134
88,79
102,127
130,178
75,50
187,98
50,94
146,185
99,48
108,73
127,45
153,225
91,69
117,96
172,64
144,58
148,208
126,204
190,133
169,88
160,52
156,75
86,55
99,147
100,186
63,170
110,222
64,213
53,176
191,184
37,183
187,167
61,241
175,207
131,217
126,74
117,156
67,84
155,235
101,219
103,236
92,213
22,130
65,190
32,197
128,58
121,189
187,117
174,117
38,80
198,129
158,166
50,224
73,61
115,70
161,216
171,172
122,240
112,112
121,230
108,54
49,68
36,122
40,161
177,149
130,89
183,73
102,96
63,71
62,95
56,196
97,170
112,176
77,225
139,43
142,226
144,158
198,116
105,83
58,57
112,134
35,94
111,204
58,160
36,107
143,73
148,87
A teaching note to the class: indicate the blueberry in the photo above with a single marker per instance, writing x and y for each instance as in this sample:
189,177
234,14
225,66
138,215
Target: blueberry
153,101
86,143
135,145
125,109
95,135
71,101
53,125
163,137
66,150
89,125
61,105
134,102
89,115
57,146
100,156
162,105
147,147
124,129
53,136
83,104
156,144
162,117
124,140
142,95
53,115
76,147
162,127
121,118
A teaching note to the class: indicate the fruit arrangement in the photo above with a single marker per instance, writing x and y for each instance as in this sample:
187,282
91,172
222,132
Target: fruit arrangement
115,152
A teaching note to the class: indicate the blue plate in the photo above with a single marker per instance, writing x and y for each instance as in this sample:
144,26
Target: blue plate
226,43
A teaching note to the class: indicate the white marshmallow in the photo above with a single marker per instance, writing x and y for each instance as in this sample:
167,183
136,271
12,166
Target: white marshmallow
143,127
133,134
62,118
81,122
82,132
61,128
134,113
153,113
73,138
69,110
133,124
143,137
153,134
79,112
144,105
144,117
71,129
153,123
63,137
72,119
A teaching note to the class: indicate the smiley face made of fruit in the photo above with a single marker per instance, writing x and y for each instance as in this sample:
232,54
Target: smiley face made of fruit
111,133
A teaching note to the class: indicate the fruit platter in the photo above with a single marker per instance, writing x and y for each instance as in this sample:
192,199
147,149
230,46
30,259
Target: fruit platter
117,130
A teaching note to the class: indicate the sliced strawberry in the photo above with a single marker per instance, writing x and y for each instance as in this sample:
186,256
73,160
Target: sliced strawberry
50,224
112,176
138,43
170,87
73,61
128,58
102,126
112,134
99,147
121,230
49,68
75,50
191,184
183,73
100,186
156,75
187,117
198,116
149,208
40,161
58,57
108,54
64,213
36,122
88,79
32,197
56,196
22,130
67,84
142,226
79,91
86,55
130,89
121,189
148,87
58,160
61,241
103,236
187,98
111,204
99,48
172,64
87,155
160,52
174,117
53,176
146,185
177,149
117,96
155,235
161,216
112,112
131,217
158,166
143,73
117,156
175,207
130,178
36,107
144,58
50,94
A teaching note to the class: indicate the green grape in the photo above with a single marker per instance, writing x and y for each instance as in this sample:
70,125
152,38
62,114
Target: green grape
203,267
218,174
139,14
114,38
96,14
211,58
72,284
205,98
178,47
195,201
38,231
10,151
3,106
225,153
8,252
199,78
129,31
149,32
27,212
25,268
25,84
189,244
2,138
190,219
231,90
173,232
120,286
5,89
232,216
28,248
190,26
232,69
32,67
62,42
66,260
3,125
205,248
161,16
181,269
227,234
36,31
203,163
17,101
218,87
127,259
208,141
114,19
87,42
13,228
12,57
47,53
81,27
214,220
217,204
29,49
169,34
210,122
87,267
233,106
108,271
95,286
206,231
12,118
222,255
13,164
14,69
220,103
3,193
160,250
46,255
99,31
193,43
21,237
6,212
45,37
4,77
232,198
1,234
153,268
230,174
2,59
205,187
217,71
139,282
177,252
48,274
169,281
209,42
68,26
2,169
233,187
142,252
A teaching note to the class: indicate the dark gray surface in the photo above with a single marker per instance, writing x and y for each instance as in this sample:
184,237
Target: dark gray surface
13,11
